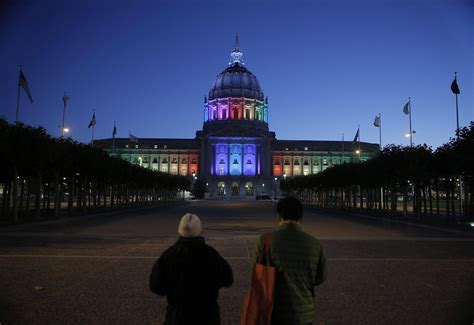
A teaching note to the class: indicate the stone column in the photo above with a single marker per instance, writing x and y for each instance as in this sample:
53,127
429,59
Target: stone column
242,158
257,159
228,162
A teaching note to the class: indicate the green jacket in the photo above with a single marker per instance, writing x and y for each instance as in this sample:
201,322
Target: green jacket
301,264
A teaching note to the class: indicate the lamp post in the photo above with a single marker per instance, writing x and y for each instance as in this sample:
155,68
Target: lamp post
410,136
63,130
275,188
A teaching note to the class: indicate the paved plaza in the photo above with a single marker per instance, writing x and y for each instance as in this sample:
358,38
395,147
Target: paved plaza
94,270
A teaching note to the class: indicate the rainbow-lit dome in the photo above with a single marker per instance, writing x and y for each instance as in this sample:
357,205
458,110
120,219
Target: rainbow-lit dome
236,94
236,81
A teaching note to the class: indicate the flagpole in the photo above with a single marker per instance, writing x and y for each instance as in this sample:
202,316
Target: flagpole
380,130
113,139
18,100
411,132
461,191
457,110
92,142
358,130
93,129
343,151
64,114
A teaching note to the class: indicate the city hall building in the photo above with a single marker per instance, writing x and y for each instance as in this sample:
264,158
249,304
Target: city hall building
235,152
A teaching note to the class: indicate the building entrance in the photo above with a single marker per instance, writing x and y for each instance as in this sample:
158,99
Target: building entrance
249,189
235,189
221,188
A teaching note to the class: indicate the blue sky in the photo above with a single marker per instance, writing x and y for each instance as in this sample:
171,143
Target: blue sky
326,66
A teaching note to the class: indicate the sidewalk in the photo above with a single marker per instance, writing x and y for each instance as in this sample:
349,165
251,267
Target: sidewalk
435,222
8,225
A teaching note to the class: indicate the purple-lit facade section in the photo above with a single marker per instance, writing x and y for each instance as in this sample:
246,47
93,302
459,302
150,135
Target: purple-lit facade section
222,159
249,160
234,159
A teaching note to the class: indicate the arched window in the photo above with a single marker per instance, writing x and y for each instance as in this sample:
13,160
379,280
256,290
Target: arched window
249,189
235,189
221,188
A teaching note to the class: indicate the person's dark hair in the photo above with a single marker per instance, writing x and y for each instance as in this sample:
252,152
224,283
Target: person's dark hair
290,208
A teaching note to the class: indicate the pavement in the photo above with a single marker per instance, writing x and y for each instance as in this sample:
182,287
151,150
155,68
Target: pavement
95,270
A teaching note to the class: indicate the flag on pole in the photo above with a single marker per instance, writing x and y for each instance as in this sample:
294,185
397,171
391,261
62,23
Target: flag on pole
455,87
65,99
24,84
114,132
406,108
377,121
132,137
92,122
357,136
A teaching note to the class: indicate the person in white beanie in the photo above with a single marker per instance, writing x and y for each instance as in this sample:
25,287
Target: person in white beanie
190,274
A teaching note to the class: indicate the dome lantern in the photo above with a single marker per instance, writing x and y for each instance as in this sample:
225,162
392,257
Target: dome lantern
236,54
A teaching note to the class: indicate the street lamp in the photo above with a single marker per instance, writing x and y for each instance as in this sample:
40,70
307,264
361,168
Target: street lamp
284,176
63,130
408,134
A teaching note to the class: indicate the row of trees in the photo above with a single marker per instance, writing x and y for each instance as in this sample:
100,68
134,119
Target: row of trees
426,181
40,174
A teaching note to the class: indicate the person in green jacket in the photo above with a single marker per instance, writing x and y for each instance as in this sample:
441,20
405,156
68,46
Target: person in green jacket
301,264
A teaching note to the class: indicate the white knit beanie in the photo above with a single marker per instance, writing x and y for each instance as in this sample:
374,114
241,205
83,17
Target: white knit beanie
190,226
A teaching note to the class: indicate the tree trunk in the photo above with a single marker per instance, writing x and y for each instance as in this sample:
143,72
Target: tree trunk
417,189
22,194
15,194
94,193
453,199
28,197
5,199
44,196
393,198
57,199
448,200
437,195
48,201
38,194
423,193
112,196
430,198
405,200
72,189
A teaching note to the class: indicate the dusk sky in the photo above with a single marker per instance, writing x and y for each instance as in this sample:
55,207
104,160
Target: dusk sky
326,66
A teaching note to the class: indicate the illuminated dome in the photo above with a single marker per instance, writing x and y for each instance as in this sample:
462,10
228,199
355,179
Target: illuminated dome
236,94
236,81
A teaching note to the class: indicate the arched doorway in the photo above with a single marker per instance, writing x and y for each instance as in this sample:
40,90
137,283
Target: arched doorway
221,188
249,189
235,189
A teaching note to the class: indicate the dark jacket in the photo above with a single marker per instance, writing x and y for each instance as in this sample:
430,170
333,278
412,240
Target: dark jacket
301,264
189,274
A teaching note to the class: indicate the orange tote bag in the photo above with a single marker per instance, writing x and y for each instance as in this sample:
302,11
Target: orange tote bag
258,303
